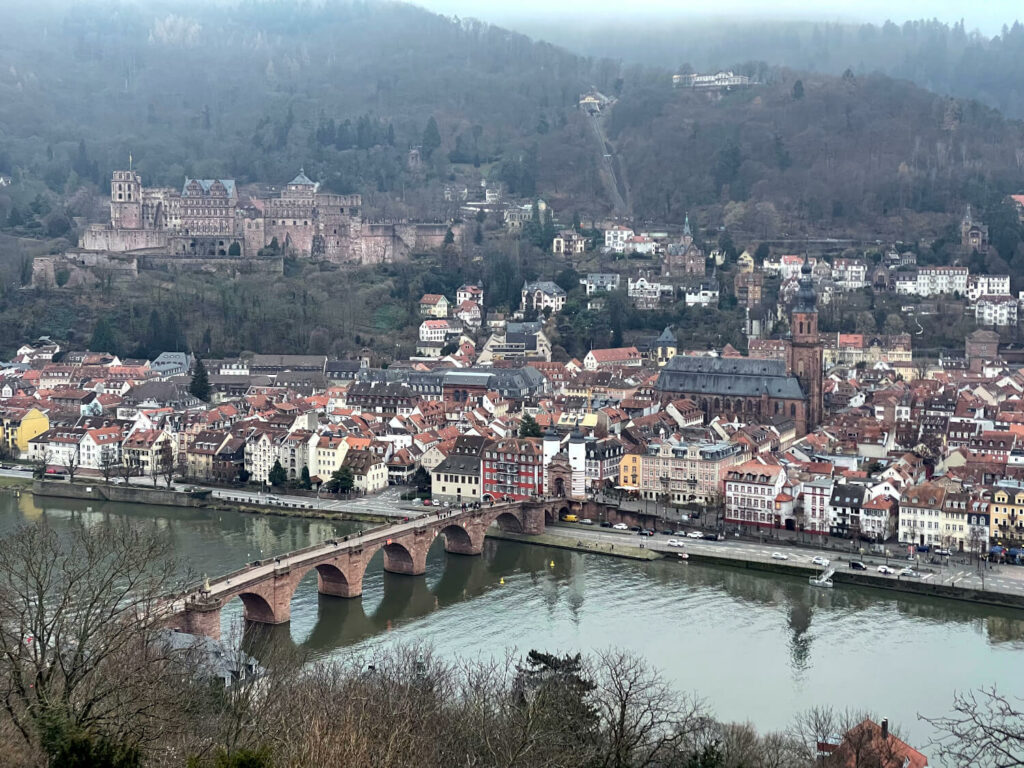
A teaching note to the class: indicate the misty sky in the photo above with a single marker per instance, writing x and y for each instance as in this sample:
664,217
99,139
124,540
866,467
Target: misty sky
986,15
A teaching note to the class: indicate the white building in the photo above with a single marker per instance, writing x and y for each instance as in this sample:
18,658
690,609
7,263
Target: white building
996,310
850,274
541,295
751,491
616,238
816,495
717,80
932,281
600,281
987,285
470,293
439,330
646,294
703,295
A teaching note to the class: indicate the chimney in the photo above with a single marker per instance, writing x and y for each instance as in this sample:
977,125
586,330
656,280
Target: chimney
885,728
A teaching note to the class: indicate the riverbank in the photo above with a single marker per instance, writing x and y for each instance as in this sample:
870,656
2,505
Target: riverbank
718,553
168,497
594,548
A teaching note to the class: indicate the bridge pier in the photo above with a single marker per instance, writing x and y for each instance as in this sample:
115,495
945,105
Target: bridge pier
465,537
201,617
408,557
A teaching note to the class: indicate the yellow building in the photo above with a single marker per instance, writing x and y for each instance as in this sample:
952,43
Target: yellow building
631,471
745,262
20,425
1006,517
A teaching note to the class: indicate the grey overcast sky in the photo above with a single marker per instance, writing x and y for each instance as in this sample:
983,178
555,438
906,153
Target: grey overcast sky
987,16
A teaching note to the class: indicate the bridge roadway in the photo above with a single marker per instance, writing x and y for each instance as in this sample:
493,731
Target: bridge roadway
266,587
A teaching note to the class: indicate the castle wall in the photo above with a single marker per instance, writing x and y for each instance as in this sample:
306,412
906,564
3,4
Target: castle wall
98,238
84,269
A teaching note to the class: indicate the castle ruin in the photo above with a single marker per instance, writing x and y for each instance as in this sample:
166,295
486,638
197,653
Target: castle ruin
208,219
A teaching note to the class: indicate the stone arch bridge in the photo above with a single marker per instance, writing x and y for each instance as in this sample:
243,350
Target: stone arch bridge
266,587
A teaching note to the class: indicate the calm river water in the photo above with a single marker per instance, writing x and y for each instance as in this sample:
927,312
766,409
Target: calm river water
756,647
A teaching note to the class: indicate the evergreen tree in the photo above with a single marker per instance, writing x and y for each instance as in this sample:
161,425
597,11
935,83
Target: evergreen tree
200,384
103,337
431,137
478,236
341,480
798,90
304,479
14,218
529,427
277,475
548,234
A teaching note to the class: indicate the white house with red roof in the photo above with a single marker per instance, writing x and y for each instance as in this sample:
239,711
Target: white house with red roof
597,359
754,496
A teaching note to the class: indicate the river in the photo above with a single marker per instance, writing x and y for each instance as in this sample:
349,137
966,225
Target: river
756,647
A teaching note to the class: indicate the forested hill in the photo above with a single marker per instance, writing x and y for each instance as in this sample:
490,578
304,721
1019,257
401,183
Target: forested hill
947,59
837,154
256,89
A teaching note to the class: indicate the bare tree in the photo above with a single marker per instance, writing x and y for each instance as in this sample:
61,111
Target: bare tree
72,462
40,464
79,616
985,729
165,462
109,463
129,467
641,720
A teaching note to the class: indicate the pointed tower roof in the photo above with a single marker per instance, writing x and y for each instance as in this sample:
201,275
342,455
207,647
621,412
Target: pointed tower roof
686,227
302,179
806,300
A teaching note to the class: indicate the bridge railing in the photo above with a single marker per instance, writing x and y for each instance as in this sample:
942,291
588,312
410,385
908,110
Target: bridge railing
298,553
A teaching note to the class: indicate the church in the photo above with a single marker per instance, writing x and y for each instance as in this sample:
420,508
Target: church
751,389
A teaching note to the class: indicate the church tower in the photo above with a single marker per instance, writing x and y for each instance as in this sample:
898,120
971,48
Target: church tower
805,351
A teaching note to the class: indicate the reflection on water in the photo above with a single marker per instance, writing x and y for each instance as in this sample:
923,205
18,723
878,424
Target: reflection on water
757,646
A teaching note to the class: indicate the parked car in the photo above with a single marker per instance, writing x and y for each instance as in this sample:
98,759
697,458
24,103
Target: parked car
606,524
819,560
645,532
447,504
680,532
676,543
635,528
857,565
886,569
695,535
666,533
426,502
710,537
620,527
586,521
909,573
779,556
943,552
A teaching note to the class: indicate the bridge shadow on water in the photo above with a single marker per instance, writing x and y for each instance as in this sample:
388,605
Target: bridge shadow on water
390,600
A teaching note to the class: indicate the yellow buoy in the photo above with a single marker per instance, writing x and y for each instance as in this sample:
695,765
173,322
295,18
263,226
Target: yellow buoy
502,580
552,563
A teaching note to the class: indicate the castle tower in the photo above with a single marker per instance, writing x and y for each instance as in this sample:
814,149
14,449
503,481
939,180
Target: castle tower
126,200
805,351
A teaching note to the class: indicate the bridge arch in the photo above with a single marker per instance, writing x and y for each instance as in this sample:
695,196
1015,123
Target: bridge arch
406,555
255,607
332,580
508,522
549,516
463,539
